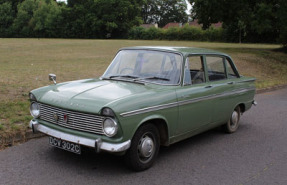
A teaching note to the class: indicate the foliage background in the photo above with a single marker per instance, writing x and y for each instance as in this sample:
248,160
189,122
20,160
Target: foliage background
260,21
256,21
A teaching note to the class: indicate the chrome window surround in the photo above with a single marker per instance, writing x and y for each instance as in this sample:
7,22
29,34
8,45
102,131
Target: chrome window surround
226,57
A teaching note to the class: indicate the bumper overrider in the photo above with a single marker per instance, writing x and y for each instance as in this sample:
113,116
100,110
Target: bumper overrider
97,144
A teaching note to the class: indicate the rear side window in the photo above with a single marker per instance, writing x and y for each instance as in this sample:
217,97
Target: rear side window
216,69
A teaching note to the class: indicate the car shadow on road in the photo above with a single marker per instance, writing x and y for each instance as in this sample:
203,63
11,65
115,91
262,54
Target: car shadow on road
104,163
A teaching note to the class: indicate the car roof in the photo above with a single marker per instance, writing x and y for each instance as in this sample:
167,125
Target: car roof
183,50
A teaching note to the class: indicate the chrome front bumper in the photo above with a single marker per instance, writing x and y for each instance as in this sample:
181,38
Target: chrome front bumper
98,144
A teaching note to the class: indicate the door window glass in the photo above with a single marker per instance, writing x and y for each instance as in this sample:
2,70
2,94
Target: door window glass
194,70
215,66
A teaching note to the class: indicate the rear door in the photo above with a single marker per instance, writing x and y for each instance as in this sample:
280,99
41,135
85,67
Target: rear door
222,78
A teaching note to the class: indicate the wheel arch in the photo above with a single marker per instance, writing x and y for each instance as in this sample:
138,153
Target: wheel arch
162,126
242,107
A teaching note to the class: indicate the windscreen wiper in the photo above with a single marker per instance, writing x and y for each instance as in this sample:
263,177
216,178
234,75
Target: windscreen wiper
133,79
155,78
125,76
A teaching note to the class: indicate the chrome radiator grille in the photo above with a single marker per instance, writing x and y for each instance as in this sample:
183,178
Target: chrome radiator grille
72,119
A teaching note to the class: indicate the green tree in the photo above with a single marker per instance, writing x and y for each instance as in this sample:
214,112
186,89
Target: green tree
45,18
150,11
81,21
13,3
207,12
262,11
101,18
282,16
248,20
23,26
6,19
72,3
117,17
37,18
163,12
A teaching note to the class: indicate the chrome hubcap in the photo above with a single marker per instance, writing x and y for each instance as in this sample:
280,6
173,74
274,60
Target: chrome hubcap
146,147
234,118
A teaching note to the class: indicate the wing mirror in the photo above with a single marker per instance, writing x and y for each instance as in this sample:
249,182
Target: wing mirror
52,77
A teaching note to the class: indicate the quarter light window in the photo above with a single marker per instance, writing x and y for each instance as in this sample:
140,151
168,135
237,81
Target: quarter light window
230,71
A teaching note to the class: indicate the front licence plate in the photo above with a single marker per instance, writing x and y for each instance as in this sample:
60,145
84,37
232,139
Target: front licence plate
71,147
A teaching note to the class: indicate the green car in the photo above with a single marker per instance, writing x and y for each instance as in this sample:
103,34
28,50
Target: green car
148,96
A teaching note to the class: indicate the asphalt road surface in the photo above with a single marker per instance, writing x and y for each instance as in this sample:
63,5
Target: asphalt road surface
255,154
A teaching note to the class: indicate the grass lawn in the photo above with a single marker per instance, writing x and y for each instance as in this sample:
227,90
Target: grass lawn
26,63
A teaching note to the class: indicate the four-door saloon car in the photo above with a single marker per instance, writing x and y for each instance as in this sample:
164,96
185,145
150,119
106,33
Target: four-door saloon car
147,97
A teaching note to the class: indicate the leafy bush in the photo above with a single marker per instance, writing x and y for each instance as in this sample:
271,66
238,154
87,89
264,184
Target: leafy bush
171,34
175,33
214,34
140,33
151,34
136,33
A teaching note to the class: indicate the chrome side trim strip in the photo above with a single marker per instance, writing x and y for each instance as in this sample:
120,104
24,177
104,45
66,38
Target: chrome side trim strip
98,144
251,80
149,109
185,102
235,92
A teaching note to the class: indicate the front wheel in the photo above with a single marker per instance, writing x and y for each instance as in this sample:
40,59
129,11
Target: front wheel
233,123
144,148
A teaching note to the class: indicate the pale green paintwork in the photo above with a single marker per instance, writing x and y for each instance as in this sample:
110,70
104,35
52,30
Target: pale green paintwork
182,121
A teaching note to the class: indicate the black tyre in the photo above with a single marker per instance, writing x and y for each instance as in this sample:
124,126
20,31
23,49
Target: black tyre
233,123
144,148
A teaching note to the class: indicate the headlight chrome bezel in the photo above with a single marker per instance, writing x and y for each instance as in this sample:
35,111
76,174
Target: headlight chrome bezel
115,127
32,110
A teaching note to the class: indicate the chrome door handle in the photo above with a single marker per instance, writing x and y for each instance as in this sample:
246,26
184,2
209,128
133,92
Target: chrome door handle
184,96
209,86
230,83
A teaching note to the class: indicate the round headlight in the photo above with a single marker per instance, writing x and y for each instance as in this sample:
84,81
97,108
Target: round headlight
35,109
110,127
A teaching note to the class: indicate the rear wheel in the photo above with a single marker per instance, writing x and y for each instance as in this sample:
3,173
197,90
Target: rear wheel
233,123
144,148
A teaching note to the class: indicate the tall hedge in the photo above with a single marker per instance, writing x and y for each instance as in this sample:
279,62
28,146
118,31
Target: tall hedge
175,33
